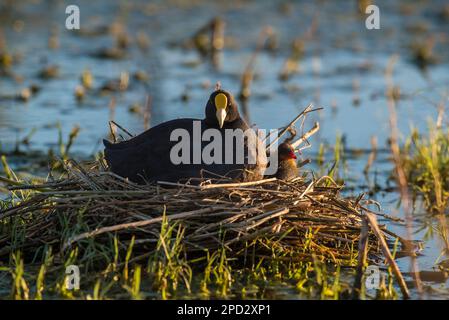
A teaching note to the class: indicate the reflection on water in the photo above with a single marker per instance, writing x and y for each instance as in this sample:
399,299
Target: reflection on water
342,69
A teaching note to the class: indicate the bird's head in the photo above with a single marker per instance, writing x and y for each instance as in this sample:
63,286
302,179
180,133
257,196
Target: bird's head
221,108
286,152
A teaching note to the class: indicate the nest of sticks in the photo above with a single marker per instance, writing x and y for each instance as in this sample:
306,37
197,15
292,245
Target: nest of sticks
299,220
303,217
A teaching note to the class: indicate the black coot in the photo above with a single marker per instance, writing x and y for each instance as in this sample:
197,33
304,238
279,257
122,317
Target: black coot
147,157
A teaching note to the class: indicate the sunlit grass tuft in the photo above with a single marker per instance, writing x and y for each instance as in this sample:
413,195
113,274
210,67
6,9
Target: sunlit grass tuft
426,162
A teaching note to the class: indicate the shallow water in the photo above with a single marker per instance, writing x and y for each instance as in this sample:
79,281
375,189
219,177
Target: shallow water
343,63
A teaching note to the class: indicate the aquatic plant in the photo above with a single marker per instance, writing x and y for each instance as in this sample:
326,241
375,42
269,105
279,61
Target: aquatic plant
426,161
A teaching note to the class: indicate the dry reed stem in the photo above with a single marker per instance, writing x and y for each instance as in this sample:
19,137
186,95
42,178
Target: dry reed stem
306,136
363,252
375,228
399,169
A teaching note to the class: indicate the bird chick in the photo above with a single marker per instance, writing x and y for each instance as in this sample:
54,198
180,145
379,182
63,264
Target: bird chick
287,167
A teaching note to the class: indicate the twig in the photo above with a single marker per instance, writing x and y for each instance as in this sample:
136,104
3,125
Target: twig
132,225
363,251
120,127
291,124
218,185
306,136
383,244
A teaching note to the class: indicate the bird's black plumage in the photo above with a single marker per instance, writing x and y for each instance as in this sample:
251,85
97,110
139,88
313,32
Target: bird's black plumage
146,157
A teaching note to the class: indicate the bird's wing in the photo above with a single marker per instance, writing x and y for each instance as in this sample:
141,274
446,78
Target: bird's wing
151,133
148,154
